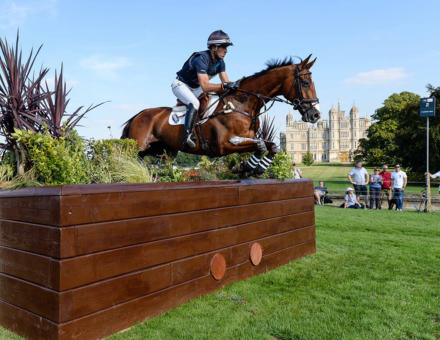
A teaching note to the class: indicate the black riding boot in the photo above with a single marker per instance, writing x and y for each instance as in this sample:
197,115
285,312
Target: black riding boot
189,122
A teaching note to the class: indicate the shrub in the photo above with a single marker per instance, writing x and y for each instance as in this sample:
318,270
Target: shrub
116,161
55,161
281,167
308,158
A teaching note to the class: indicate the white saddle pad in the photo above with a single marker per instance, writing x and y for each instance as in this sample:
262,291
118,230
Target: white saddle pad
177,115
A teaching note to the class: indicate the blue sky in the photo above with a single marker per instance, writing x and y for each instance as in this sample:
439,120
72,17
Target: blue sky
127,52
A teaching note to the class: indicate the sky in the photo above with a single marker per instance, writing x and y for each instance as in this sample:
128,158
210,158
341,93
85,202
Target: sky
128,52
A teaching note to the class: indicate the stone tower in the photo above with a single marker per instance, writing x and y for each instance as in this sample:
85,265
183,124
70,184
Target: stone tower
354,124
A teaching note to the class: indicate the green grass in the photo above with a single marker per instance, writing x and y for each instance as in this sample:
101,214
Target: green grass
375,275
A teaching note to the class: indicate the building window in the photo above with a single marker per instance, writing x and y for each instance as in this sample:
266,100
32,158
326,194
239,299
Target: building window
343,125
303,146
291,147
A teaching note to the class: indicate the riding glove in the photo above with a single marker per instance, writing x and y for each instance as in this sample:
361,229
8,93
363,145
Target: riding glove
233,85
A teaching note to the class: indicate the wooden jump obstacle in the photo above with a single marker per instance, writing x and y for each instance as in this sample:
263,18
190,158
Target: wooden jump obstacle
85,261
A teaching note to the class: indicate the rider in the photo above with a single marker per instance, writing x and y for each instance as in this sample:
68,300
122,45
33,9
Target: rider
193,79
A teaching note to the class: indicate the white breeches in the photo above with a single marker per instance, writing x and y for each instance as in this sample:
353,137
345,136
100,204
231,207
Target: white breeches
189,95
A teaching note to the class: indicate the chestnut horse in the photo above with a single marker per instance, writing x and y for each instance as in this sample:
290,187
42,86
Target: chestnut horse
234,124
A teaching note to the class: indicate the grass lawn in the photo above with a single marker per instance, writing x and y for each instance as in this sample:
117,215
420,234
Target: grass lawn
335,178
376,275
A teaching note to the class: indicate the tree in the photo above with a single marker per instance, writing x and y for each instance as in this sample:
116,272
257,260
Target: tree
399,133
308,158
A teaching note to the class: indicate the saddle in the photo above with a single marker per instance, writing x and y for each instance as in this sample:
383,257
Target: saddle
203,99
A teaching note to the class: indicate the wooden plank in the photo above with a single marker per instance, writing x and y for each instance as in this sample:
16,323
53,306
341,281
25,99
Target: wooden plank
27,324
36,238
276,191
32,209
85,269
30,267
116,318
87,189
84,239
29,296
82,209
91,298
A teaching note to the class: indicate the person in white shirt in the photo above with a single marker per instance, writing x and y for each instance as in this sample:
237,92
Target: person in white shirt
350,200
436,175
399,181
358,176
297,173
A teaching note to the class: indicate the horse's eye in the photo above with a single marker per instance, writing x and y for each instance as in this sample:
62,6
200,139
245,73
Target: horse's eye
305,83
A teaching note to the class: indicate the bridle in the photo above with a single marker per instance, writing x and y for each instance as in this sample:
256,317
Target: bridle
299,103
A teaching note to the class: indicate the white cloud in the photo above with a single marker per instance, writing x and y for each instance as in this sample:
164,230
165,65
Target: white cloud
380,76
106,68
98,63
13,15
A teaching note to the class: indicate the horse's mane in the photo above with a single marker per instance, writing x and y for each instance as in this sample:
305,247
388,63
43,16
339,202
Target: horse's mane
274,63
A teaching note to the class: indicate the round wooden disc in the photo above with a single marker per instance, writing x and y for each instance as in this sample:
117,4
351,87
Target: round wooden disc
218,266
256,253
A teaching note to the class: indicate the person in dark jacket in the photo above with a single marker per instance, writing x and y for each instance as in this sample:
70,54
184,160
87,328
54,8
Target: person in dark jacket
194,79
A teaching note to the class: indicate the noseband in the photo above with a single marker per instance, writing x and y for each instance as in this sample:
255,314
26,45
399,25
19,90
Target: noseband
298,83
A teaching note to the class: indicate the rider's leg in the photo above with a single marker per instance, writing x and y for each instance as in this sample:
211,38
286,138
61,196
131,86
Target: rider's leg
188,96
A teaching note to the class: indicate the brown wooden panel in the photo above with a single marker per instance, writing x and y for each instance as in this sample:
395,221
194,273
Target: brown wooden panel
124,315
87,189
30,267
27,324
81,209
276,191
84,239
94,267
32,192
90,298
35,238
29,296
33,209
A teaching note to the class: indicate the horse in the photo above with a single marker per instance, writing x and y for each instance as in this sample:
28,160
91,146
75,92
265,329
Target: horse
234,124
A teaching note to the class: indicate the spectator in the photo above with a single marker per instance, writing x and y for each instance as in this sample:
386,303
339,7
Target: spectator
351,200
296,172
386,187
358,176
399,179
375,187
320,192
436,175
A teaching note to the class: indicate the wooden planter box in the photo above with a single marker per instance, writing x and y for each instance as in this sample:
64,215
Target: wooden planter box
85,261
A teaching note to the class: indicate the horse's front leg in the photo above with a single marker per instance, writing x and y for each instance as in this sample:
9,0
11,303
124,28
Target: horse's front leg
244,144
266,161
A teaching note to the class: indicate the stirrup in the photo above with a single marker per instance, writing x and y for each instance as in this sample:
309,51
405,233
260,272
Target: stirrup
188,143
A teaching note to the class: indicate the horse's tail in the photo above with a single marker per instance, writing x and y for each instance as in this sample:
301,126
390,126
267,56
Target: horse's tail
126,130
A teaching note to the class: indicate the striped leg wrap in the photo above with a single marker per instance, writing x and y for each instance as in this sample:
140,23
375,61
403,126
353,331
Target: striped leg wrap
253,161
265,162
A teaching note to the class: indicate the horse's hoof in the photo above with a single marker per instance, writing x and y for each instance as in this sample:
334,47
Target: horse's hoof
259,170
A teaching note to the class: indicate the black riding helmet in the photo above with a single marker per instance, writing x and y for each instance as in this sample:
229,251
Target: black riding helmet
219,38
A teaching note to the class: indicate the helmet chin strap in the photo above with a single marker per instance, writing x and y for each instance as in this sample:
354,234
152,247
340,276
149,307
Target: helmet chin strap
215,53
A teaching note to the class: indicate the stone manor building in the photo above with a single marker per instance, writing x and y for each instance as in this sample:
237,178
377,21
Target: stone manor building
328,141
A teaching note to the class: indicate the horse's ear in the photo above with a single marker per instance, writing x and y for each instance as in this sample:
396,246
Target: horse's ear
309,65
305,61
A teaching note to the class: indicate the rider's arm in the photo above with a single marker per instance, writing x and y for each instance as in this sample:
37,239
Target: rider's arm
206,86
224,77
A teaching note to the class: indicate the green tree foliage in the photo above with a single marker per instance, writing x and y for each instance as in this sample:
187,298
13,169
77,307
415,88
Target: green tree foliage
381,146
308,158
399,134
